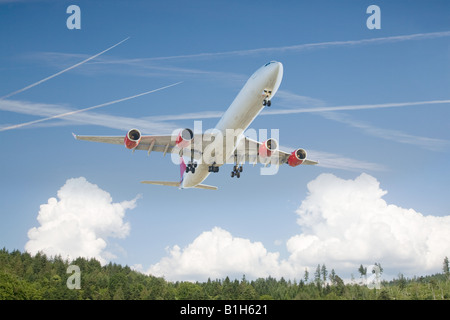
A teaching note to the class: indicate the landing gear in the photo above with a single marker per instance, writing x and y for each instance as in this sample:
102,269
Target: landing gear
267,94
213,168
191,166
237,169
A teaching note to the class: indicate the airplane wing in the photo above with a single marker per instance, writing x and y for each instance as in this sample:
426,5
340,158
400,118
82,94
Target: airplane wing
164,143
251,153
248,148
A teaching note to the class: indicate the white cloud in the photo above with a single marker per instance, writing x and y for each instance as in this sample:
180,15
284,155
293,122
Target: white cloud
79,222
216,254
347,222
344,223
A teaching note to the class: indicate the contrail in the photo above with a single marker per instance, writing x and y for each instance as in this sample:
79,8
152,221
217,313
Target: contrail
85,109
218,114
306,46
353,107
61,72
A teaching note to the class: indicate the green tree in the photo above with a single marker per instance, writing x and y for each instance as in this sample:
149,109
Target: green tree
362,271
189,291
445,268
306,276
324,273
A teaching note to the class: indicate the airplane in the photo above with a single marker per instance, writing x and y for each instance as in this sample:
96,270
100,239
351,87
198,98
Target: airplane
207,151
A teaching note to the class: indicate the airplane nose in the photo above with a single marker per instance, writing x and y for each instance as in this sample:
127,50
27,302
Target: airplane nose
277,68
276,75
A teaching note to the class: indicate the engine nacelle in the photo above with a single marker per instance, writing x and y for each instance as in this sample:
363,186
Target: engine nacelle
132,139
184,138
267,148
297,157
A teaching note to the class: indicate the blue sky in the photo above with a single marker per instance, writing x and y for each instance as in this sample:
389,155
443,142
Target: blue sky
387,141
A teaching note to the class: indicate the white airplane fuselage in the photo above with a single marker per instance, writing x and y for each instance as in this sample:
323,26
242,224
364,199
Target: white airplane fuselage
241,113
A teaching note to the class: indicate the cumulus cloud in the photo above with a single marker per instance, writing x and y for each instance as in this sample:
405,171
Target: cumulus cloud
346,222
343,223
79,222
216,254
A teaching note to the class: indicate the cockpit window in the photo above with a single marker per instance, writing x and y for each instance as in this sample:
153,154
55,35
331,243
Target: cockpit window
268,63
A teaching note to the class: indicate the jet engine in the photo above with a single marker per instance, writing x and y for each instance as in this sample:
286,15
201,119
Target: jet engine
297,157
184,138
267,148
132,139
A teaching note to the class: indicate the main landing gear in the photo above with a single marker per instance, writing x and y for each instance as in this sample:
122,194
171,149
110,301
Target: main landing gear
213,168
266,101
237,169
191,165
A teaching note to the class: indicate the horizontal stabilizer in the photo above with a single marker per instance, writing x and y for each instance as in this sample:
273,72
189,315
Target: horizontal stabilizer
177,184
204,186
163,183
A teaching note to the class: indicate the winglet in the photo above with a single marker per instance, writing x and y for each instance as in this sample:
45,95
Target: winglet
75,136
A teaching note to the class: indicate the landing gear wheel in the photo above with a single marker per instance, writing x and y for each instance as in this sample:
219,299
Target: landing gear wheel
236,171
191,166
269,103
213,168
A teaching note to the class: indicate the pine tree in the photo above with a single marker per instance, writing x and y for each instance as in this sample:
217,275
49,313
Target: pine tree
317,277
362,271
324,273
306,276
445,268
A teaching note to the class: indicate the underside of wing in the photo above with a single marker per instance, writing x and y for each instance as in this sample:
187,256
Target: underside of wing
162,143
251,150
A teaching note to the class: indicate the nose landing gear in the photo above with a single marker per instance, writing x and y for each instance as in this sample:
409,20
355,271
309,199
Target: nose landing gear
267,94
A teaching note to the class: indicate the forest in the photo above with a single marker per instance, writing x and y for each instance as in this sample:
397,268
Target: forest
27,277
